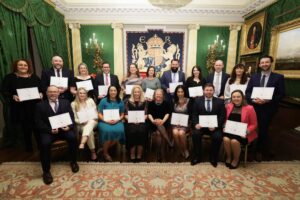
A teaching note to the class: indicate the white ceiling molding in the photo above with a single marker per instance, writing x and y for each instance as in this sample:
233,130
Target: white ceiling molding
142,12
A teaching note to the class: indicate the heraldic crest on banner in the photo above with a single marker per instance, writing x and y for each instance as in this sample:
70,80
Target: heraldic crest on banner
157,51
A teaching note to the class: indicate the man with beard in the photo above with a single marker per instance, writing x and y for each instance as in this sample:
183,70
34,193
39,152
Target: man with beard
172,76
265,109
57,71
218,78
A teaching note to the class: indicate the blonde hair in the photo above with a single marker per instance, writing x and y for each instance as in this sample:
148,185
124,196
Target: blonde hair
76,101
142,98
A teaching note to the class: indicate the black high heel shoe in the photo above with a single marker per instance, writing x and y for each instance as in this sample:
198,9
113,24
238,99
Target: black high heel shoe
227,164
234,167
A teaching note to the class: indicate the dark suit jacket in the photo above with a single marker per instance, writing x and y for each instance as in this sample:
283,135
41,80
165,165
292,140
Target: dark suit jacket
276,81
210,79
44,110
45,81
99,80
218,108
167,78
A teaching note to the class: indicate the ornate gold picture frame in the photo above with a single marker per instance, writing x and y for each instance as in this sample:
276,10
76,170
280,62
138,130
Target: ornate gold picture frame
253,34
285,49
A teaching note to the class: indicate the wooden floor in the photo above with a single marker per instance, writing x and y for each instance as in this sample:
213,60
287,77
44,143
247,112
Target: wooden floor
285,144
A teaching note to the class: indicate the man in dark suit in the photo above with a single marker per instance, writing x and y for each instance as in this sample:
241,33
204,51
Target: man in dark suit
50,107
106,78
57,71
218,78
172,76
207,105
265,109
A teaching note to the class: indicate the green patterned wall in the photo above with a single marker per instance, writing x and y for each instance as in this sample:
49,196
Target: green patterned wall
206,36
105,34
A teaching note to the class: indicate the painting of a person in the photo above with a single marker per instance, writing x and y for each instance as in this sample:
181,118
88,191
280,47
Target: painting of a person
254,35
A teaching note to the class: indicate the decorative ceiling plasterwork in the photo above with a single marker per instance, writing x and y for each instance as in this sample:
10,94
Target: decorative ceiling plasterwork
141,14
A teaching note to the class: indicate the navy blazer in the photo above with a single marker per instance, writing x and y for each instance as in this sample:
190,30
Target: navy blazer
167,78
46,76
44,111
99,80
276,81
210,79
218,109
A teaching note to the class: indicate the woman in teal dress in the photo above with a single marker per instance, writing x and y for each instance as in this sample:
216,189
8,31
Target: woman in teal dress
111,131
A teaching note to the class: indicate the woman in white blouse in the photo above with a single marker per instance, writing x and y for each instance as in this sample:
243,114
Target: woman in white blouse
83,103
238,80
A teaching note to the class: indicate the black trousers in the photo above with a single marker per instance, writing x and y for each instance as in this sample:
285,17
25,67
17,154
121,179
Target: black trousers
216,137
46,141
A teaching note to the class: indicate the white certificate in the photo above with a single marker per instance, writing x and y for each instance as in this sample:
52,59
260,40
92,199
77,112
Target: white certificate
102,90
237,87
85,84
111,114
59,121
59,81
180,119
25,94
262,93
149,93
129,89
87,114
236,128
208,121
195,91
172,86
137,116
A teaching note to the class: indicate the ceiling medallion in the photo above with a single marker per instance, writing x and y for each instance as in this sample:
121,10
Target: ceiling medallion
169,4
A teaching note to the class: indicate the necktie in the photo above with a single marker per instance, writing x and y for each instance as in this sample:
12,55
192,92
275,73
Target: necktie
217,88
106,79
262,81
58,73
55,106
173,77
208,108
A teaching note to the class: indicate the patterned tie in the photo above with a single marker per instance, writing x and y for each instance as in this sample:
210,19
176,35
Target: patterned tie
217,88
58,72
208,108
55,106
262,81
106,79
173,78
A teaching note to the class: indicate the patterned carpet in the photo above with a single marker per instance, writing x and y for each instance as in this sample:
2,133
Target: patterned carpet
273,180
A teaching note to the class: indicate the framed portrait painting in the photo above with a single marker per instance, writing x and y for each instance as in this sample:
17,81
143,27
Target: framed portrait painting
285,49
253,34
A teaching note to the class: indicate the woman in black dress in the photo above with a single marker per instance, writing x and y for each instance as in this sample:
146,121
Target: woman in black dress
158,115
21,112
195,79
136,133
83,75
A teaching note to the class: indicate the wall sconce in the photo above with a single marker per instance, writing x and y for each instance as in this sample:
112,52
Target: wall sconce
93,47
216,50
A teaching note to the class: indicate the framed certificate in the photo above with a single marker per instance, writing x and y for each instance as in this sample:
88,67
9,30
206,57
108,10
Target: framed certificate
59,81
59,121
102,90
236,128
149,93
195,91
172,86
136,116
208,121
87,114
85,84
180,119
262,93
26,94
111,114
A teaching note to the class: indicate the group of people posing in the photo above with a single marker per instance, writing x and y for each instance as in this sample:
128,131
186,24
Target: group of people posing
226,97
